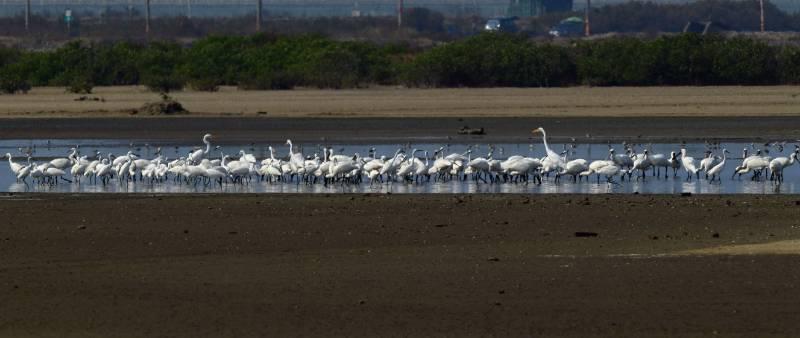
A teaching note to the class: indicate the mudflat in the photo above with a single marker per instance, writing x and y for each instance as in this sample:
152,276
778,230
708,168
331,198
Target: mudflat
418,265
404,102
400,115
246,130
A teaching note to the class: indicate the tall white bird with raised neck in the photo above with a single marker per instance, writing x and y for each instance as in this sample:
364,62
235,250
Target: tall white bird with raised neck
198,155
552,156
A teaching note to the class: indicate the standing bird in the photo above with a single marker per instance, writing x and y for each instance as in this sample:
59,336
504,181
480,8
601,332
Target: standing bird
15,167
297,161
62,163
594,166
609,172
688,165
755,163
621,160
198,155
552,156
715,171
24,172
658,161
674,163
708,162
777,165
642,163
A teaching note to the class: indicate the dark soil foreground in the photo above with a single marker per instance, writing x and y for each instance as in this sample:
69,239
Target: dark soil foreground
243,130
411,265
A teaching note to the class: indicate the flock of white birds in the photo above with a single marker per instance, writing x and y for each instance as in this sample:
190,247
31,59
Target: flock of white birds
198,168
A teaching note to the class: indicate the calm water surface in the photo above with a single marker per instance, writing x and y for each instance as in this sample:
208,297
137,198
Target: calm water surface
44,150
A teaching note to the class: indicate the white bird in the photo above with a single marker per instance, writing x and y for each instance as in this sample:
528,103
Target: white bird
555,159
339,168
521,168
374,164
688,164
642,164
621,160
658,161
717,169
271,161
296,160
674,163
24,172
15,167
407,166
610,171
480,165
119,160
215,174
104,170
78,169
421,168
463,157
755,163
245,157
54,174
62,163
392,165
594,166
198,155
745,159
440,165
708,162
777,165
574,168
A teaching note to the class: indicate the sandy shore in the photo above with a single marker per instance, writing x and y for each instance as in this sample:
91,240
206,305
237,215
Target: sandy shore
396,115
418,265
400,102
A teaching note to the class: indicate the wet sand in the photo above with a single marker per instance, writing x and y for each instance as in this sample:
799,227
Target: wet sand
412,265
403,102
244,130
398,115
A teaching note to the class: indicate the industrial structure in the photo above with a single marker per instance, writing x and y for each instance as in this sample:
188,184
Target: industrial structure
523,8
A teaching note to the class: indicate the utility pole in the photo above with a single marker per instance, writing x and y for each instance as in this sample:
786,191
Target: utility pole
258,16
27,15
761,4
103,12
189,9
587,28
68,20
147,17
399,13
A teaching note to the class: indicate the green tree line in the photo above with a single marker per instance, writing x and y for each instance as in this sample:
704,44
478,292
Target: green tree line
486,60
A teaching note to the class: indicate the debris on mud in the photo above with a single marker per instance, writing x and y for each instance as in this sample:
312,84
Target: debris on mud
585,234
89,98
167,106
466,130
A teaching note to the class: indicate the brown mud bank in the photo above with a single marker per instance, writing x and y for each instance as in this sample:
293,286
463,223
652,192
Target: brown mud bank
244,130
419,265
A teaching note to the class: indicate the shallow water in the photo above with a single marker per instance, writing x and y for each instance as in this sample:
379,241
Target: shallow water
44,150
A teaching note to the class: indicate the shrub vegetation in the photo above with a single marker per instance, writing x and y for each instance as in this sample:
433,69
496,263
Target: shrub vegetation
486,60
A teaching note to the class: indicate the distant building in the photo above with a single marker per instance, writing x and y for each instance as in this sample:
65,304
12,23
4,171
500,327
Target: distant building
523,8
703,27
501,25
572,26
